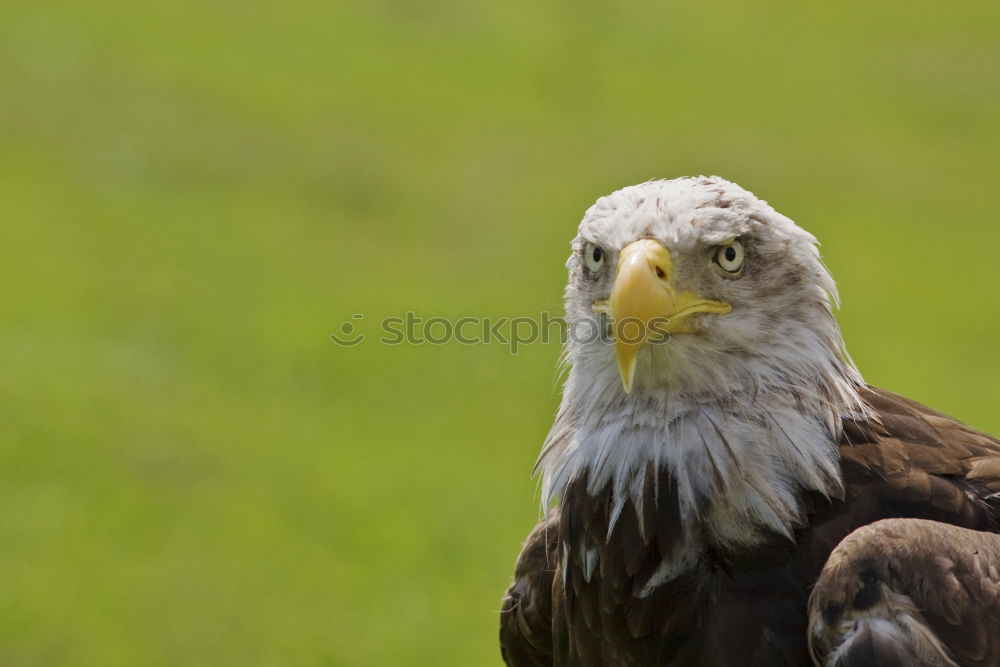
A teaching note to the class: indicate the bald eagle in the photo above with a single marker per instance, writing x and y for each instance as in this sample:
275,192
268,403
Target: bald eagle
720,485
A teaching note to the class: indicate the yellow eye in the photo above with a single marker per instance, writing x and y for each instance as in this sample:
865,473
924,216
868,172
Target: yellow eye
593,257
730,257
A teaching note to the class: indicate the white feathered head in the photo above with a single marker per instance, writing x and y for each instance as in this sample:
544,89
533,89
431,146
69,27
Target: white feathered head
720,357
696,279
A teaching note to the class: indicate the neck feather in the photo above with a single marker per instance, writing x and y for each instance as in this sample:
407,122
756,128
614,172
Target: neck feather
742,454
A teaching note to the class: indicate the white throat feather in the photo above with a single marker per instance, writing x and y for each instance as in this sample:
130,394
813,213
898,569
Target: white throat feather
740,458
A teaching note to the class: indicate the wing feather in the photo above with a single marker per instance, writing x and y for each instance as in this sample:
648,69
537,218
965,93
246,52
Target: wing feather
526,614
920,585
911,590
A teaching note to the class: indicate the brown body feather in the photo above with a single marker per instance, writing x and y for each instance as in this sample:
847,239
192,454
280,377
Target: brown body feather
909,592
750,607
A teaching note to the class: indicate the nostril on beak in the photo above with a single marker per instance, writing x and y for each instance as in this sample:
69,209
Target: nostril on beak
660,273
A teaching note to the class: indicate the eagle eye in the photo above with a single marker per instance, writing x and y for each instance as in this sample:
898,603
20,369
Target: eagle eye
730,256
593,257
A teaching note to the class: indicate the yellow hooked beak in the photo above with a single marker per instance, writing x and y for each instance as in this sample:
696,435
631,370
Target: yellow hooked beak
644,306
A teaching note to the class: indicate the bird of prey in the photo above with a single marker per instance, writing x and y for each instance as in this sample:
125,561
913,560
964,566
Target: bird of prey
720,485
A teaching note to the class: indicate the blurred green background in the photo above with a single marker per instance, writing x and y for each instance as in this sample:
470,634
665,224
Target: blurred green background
195,194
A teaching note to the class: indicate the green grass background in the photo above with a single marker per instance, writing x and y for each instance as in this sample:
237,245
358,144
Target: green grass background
195,194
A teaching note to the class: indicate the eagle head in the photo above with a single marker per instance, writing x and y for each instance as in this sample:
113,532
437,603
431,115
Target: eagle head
693,279
702,341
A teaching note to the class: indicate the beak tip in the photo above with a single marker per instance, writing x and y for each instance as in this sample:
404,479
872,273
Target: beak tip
627,371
